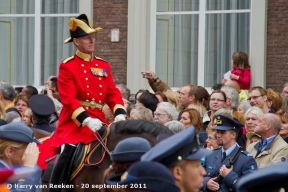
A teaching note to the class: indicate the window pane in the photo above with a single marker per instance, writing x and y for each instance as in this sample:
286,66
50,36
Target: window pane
225,34
177,5
17,50
60,6
228,4
54,31
17,7
177,49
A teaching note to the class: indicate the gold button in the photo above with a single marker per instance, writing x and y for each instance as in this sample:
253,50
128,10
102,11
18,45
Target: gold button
99,78
82,65
88,93
86,79
87,86
84,71
100,86
100,93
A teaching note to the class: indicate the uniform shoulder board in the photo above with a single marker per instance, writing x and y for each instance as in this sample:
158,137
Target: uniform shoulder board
100,59
246,153
68,59
216,149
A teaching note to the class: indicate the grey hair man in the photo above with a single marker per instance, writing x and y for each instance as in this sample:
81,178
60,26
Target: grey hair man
124,90
165,112
232,102
271,148
7,96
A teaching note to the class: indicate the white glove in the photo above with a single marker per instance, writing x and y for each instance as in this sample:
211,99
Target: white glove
120,117
93,124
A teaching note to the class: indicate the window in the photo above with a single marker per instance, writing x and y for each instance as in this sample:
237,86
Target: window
195,39
31,35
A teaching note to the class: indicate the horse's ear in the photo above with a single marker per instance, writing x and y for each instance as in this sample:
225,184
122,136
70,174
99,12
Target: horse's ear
161,137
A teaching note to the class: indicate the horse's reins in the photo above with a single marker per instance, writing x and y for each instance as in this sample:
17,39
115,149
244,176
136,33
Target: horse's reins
102,142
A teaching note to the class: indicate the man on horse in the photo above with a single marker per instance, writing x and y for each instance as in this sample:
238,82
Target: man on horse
85,83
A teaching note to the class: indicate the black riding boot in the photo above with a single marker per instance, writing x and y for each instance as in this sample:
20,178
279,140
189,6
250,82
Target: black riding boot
60,172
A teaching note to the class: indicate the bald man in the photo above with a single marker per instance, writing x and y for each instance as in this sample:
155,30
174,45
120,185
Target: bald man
271,148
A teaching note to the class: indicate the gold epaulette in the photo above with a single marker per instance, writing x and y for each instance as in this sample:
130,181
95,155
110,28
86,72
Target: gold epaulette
68,59
100,59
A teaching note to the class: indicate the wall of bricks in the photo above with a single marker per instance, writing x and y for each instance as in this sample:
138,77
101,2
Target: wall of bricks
277,44
108,15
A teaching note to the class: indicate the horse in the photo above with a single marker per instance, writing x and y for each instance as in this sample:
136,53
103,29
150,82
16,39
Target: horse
90,178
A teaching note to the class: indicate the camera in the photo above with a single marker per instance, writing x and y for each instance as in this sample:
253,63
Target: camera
143,74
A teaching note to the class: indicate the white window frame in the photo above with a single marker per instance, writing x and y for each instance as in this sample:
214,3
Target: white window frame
258,36
86,8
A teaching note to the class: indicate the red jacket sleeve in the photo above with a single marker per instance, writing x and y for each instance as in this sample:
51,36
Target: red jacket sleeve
245,79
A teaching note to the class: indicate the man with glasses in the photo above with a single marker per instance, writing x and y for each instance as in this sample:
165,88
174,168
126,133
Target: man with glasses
228,130
284,92
271,148
258,98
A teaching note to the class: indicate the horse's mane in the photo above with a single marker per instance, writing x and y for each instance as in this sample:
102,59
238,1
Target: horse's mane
139,126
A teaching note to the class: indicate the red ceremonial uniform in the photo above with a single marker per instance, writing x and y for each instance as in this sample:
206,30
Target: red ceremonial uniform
80,79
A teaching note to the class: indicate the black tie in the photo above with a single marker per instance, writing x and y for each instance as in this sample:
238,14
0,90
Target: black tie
223,156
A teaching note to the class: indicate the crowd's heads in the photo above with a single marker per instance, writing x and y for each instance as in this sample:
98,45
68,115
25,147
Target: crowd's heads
274,100
175,126
124,90
240,60
191,117
173,97
161,97
165,112
140,112
149,100
258,97
7,92
232,95
29,91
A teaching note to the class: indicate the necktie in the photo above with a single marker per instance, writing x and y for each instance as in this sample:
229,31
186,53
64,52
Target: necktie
223,156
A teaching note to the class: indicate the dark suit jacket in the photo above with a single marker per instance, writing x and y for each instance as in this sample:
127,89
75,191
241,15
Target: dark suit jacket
244,165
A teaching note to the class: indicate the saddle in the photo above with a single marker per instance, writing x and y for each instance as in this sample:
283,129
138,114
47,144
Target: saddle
82,155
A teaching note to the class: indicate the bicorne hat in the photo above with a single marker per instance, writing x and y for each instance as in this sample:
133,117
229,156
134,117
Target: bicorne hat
80,26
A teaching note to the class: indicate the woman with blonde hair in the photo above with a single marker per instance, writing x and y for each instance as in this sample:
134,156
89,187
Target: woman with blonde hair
173,98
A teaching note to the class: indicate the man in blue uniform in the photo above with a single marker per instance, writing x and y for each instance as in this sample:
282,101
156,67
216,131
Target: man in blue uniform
227,131
181,154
